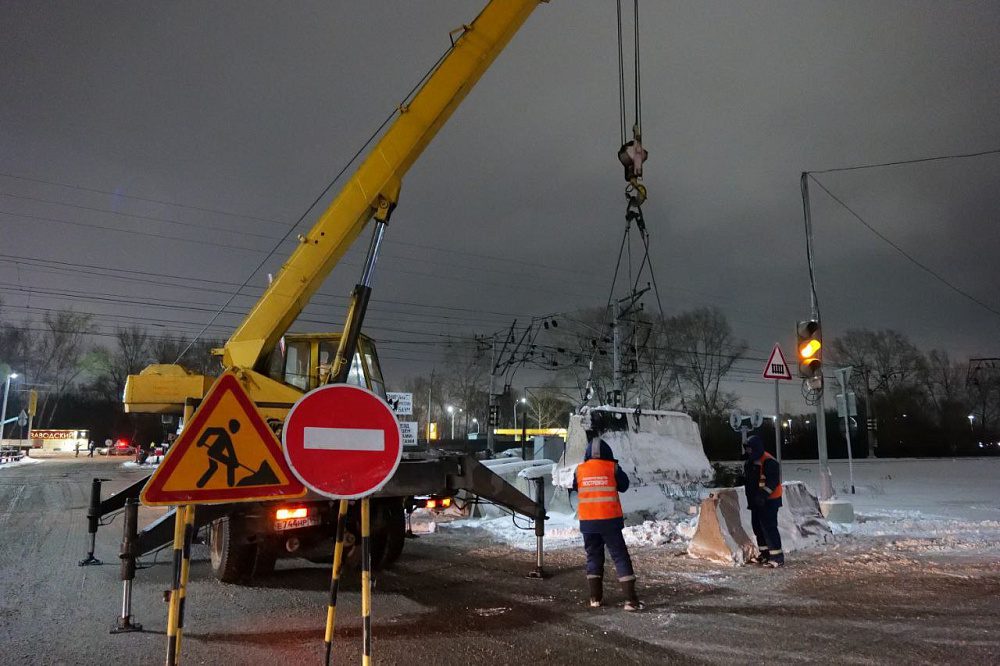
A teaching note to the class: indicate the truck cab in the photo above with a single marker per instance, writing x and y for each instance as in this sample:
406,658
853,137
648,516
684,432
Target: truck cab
304,360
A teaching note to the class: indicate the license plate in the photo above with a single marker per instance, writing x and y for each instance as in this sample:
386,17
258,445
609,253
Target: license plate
295,523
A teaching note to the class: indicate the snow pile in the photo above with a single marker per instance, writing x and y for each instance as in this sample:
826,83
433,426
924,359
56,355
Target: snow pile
918,531
652,447
18,463
151,463
659,532
661,452
561,530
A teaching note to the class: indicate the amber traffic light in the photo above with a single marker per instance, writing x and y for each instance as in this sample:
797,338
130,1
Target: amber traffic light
810,349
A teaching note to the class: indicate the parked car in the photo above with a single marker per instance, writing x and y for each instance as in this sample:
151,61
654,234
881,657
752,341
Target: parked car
121,447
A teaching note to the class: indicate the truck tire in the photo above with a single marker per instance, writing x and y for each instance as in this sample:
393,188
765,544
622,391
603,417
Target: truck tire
389,534
232,558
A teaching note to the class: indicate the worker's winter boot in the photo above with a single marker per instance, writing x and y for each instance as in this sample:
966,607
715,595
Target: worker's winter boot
596,591
632,602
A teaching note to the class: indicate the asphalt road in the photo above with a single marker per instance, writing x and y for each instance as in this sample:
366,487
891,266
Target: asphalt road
458,598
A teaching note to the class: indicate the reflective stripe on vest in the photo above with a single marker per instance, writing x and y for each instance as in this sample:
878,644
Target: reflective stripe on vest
761,483
598,490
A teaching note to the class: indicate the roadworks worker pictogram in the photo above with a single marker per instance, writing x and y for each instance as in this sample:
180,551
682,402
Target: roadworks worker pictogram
227,453
221,451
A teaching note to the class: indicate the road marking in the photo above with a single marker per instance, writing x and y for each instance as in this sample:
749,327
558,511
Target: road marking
343,439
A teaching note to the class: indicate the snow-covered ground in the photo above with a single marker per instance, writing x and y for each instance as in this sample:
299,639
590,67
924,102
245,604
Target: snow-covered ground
948,504
151,463
19,463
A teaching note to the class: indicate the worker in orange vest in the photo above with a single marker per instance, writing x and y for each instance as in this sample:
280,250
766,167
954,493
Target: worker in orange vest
763,491
598,481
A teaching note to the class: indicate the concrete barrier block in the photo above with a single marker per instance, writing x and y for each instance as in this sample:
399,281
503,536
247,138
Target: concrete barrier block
837,511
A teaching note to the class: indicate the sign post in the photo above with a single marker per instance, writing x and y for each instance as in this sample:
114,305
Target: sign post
344,442
777,369
843,375
227,453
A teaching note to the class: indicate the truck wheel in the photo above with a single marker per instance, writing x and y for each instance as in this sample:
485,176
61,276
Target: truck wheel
232,558
389,534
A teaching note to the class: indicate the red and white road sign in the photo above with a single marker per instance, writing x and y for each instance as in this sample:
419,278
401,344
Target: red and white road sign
342,441
776,366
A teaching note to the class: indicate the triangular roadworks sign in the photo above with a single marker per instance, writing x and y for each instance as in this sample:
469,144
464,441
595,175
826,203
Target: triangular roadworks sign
227,453
776,366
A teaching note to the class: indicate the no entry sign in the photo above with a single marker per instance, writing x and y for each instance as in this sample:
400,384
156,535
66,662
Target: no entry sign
342,441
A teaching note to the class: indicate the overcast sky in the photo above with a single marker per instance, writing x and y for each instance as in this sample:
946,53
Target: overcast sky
235,115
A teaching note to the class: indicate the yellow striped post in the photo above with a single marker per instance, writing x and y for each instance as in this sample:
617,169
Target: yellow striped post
185,570
366,581
338,561
174,608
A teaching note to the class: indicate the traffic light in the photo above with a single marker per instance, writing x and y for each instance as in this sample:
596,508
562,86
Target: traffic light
810,349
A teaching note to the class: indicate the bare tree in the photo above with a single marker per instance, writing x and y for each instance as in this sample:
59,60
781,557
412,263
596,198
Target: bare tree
885,364
705,353
882,360
944,380
466,369
50,354
548,406
130,354
656,361
166,348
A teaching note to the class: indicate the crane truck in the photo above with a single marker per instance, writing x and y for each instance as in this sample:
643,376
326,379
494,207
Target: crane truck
245,539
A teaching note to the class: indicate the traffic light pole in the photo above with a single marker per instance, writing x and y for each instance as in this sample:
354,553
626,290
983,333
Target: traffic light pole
825,478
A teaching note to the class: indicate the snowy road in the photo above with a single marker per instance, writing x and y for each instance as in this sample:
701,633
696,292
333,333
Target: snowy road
459,597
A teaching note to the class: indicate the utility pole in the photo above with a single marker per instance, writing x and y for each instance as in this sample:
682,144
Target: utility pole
490,443
616,363
825,478
430,387
618,312
870,422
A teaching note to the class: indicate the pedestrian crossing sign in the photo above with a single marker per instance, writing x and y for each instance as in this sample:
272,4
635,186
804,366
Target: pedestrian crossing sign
227,453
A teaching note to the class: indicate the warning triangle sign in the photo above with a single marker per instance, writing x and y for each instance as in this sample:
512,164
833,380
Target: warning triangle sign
227,453
776,367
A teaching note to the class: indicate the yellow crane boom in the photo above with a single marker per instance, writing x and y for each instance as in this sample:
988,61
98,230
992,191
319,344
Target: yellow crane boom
374,188
372,191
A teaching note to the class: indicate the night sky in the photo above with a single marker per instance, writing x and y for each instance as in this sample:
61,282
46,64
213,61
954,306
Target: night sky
151,154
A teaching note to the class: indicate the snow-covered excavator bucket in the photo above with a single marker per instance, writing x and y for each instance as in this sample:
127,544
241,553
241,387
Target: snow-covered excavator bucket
660,451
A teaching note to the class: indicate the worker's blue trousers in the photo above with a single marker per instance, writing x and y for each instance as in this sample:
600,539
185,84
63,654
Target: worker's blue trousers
594,544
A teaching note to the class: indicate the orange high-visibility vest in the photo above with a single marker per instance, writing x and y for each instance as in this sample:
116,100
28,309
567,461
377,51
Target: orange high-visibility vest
776,493
598,490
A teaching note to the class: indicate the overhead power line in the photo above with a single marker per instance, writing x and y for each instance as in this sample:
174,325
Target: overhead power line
924,267
936,158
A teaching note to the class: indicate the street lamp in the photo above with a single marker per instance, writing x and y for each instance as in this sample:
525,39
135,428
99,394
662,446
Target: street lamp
3,411
523,401
451,411
475,422
971,417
